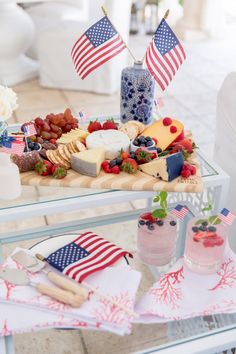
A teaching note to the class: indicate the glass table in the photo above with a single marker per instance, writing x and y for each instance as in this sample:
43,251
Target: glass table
201,335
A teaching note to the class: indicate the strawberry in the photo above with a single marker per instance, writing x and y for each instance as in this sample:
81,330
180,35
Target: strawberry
124,154
115,169
59,171
109,124
142,156
129,165
43,167
93,126
184,144
219,241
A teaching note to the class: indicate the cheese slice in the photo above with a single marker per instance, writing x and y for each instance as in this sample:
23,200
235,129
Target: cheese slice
167,168
88,162
163,132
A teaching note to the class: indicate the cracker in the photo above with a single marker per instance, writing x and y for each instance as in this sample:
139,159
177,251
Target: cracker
141,126
71,146
59,160
62,153
80,146
67,152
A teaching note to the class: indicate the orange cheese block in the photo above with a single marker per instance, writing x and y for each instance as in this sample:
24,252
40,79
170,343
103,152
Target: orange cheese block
165,130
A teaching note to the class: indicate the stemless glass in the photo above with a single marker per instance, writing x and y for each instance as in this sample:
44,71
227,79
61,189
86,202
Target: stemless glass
205,245
156,239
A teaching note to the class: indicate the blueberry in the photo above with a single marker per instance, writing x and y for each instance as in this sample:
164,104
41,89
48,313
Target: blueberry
143,144
205,223
31,145
151,227
119,161
203,228
36,146
160,222
172,222
159,150
148,223
135,142
142,222
142,139
195,229
149,143
132,154
112,163
212,228
148,138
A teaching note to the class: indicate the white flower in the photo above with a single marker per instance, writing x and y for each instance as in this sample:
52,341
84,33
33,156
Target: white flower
8,103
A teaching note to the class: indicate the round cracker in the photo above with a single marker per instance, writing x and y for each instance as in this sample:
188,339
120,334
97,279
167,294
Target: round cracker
67,152
50,156
80,146
59,160
141,126
62,153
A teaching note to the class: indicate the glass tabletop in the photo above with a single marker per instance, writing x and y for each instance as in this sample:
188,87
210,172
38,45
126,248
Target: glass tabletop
35,195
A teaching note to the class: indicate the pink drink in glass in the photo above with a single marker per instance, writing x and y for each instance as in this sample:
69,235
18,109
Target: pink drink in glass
204,247
156,239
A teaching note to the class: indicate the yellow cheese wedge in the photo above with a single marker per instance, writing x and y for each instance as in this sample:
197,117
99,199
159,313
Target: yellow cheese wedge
165,134
74,134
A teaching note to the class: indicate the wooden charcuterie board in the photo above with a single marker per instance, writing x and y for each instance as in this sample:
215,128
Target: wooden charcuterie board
137,182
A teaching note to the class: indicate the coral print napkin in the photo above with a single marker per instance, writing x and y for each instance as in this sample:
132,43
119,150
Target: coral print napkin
120,283
181,293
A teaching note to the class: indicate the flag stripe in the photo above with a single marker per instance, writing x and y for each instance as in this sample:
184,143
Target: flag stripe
77,44
157,68
107,264
178,56
182,50
104,61
155,53
81,47
112,260
153,73
173,60
82,53
100,54
170,64
97,52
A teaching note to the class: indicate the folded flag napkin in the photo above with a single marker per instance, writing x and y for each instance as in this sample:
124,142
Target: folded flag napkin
120,283
87,254
182,294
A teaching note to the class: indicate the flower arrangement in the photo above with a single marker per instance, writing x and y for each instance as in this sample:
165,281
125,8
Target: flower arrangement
8,102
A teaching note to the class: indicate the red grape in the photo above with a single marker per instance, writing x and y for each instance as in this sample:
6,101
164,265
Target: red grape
54,135
54,128
67,128
39,121
45,135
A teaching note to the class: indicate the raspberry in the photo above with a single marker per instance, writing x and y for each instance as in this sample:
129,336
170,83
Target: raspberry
167,121
185,173
147,216
115,169
173,129
105,163
219,241
209,242
192,169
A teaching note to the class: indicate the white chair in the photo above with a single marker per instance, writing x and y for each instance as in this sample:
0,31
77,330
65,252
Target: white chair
225,142
54,46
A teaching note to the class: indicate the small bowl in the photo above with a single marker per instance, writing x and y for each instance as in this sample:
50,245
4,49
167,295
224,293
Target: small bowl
134,147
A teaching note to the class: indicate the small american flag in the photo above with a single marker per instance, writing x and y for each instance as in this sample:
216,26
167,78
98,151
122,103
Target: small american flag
159,102
29,129
180,211
16,147
87,254
82,117
97,45
164,55
226,216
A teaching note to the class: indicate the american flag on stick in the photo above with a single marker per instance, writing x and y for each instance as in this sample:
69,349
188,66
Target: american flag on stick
180,211
164,55
15,147
29,129
96,46
87,254
226,216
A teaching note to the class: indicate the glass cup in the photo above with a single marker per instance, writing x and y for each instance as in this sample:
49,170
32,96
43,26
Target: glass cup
205,245
156,239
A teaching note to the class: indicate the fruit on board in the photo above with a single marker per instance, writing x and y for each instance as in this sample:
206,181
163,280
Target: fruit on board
94,126
43,168
129,165
59,171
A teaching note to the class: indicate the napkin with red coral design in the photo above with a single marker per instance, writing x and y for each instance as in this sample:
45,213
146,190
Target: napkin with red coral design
181,293
120,283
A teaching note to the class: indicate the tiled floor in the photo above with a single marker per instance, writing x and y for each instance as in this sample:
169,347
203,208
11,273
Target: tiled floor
192,99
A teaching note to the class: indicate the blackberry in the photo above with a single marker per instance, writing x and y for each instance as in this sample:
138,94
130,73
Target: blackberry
112,163
118,161
212,228
160,222
172,222
195,229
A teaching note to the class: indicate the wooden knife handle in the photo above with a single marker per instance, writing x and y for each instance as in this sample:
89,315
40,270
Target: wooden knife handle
68,284
63,296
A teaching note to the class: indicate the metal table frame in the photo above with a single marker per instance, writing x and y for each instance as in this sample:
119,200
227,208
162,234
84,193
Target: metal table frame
216,186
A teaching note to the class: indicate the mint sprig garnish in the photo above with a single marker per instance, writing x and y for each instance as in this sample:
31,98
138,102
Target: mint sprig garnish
160,198
213,219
